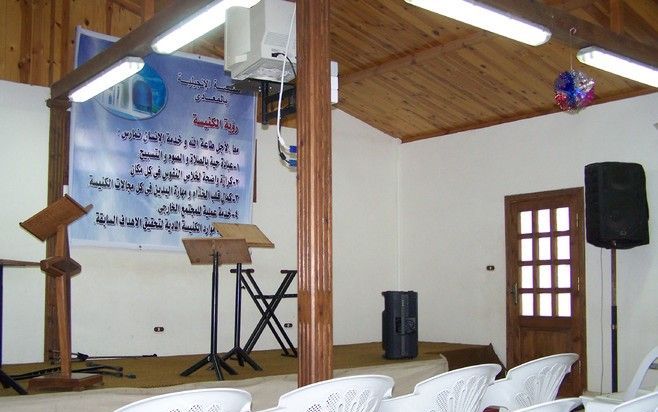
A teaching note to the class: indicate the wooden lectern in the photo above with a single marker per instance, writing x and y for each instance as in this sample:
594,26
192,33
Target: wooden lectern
253,237
215,251
53,221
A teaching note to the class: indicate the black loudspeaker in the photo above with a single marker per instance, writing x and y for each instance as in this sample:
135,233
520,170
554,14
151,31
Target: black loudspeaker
616,206
400,325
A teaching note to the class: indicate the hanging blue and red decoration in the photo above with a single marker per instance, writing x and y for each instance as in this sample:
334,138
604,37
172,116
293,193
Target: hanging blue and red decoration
574,90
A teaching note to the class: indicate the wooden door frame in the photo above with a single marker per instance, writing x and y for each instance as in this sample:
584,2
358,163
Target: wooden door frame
577,244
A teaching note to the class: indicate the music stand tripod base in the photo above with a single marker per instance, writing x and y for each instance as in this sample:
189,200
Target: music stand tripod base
217,364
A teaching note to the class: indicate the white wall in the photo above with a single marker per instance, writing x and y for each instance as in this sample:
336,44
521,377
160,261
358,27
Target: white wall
24,165
365,227
425,216
122,294
451,218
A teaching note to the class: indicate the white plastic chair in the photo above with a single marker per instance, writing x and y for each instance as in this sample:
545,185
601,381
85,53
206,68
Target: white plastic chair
530,383
360,393
633,389
198,400
607,402
646,403
560,405
459,390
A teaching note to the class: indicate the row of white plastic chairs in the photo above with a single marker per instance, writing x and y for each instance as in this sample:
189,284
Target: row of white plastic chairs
532,386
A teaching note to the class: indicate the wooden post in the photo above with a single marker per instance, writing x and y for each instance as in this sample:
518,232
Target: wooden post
314,220
63,295
58,166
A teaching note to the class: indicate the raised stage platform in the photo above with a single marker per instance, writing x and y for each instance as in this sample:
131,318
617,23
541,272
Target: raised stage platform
157,375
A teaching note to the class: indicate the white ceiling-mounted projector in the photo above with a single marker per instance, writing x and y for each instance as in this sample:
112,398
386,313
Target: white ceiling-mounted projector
255,41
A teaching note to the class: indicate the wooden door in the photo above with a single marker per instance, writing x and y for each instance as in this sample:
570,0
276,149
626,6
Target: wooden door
546,280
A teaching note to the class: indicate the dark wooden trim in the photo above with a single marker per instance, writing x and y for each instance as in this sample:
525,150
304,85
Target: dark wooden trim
442,132
561,23
314,214
136,43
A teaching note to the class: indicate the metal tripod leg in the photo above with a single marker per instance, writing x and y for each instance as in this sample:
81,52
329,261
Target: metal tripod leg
240,354
8,382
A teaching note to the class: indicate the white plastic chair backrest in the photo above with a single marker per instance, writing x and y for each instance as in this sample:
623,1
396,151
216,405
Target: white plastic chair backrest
560,405
640,373
459,390
198,400
359,393
646,403
530,383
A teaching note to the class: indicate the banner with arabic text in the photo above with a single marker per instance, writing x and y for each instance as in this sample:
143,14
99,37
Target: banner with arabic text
162,155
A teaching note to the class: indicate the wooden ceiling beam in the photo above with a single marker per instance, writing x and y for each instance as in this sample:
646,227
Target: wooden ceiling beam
569,4
415,58
128,5
587,34
516,117
616,16
136,43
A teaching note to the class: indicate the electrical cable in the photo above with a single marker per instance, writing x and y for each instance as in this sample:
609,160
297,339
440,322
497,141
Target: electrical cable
292,66
281,144
601,317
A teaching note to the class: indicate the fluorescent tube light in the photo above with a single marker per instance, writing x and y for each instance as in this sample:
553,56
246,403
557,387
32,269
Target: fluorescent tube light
487,18
116,73
200,23
619,65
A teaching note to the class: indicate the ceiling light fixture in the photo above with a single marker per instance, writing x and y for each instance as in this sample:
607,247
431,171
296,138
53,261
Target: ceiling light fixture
488,18
619,65
200,23
114,74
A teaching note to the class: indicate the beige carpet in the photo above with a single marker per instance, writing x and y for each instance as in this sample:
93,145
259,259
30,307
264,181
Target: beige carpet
264,390
153,372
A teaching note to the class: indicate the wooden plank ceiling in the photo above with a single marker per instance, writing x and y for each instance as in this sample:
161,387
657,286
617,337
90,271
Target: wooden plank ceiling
414,74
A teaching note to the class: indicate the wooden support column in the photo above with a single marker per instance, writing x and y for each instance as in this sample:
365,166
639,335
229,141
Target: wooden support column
314,221
58,169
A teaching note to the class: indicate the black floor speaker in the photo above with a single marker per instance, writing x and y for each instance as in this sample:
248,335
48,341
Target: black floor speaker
616,208
400,324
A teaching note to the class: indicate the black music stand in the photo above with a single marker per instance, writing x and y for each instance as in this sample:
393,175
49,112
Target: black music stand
214,251
6,380
253,237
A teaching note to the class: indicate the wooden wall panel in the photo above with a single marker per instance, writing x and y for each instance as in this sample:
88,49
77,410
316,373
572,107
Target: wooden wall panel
11,40
37,37
122,19
58,43
37,53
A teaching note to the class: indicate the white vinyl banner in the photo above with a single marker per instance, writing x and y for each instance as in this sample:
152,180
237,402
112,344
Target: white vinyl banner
162,155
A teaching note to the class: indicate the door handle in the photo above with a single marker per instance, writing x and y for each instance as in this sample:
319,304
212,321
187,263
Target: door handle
514,291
